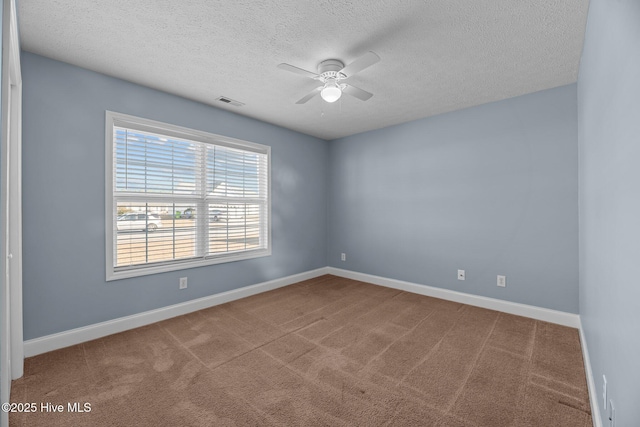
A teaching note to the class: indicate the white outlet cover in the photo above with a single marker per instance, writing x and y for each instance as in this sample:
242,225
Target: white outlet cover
502,281
461,275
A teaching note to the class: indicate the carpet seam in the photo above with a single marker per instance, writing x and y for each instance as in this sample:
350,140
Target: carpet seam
557,392
511,353
377,356
529,373
475,364
249,325
313,382
577,389
299,375
302,315
256,347
346,324
187,349
307,285
210,370
436,346
311,312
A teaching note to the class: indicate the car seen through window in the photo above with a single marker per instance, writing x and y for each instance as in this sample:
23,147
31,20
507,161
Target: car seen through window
138,221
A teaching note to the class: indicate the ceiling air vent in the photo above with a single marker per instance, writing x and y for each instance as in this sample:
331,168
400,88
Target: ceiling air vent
229,101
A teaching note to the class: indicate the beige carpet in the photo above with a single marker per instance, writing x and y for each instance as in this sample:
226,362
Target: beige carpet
327,351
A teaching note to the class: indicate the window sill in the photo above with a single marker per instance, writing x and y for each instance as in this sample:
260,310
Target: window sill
136,271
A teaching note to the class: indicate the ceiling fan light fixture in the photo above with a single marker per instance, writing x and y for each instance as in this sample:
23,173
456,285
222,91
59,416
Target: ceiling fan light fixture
331,92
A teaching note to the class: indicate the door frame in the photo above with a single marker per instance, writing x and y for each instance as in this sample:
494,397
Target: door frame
11,333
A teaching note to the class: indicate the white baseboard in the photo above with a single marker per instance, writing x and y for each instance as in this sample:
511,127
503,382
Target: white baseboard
545,314
98,330
591,384
87,333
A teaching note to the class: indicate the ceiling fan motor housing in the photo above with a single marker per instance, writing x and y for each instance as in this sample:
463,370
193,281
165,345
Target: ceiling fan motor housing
330,68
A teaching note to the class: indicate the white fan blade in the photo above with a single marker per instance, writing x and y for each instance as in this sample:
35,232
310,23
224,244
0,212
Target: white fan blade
366,60
297,70
357,92
310,95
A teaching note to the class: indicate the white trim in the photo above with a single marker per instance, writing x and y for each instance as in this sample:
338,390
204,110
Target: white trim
11,355
153,126
14,51
15,221
545,314
183,265
52,342
591,385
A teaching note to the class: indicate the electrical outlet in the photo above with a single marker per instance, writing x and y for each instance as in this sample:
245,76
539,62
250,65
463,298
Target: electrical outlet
612,414
460,274
604,392
183,283
343,256
502,281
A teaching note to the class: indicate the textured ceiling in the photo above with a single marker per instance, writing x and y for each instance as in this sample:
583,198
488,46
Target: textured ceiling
437,56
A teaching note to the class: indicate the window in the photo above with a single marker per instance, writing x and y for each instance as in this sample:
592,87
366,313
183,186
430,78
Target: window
179,198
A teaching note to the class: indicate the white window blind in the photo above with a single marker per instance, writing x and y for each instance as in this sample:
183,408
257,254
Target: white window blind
181,198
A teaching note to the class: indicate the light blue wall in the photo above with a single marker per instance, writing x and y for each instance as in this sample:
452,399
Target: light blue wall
609,143
490,189
64,183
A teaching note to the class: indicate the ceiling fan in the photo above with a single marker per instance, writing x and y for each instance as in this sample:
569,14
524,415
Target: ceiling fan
331,73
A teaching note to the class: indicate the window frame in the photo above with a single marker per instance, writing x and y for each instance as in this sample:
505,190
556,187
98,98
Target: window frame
113,119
